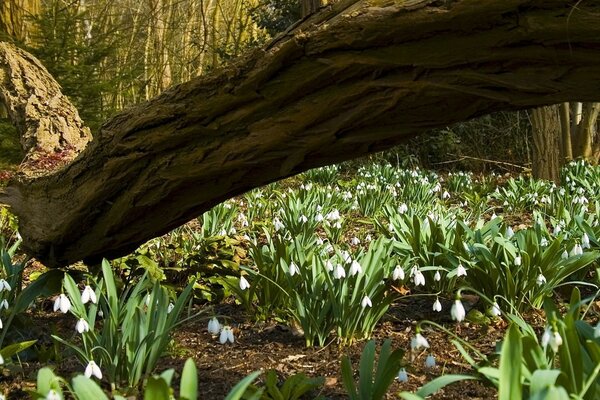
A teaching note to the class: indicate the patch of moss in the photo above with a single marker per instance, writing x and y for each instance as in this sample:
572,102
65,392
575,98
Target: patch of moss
11,153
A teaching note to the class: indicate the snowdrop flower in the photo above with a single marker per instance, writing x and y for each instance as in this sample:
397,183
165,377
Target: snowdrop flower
541,279
303,219
544,242
557,230
93,369
445,195
419,278
82,326
402,208
53,395
495,310
398,273
578,250
1,360
226,335
461,271
319,217
277,224
294,269
551,338
4,286
518,261
509,232
437,306
418,341
346,256
402,375
214,327
368,238
366,302
244,283
62,303
457,311
329,265
597,330
430,361
333,215
494,216
437,277
170,307
585,241
4,304
355,241
339,272
564,255
355,268
223,232
88,294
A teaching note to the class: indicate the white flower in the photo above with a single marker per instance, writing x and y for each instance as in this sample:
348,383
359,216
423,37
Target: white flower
329,265
366,302
294,269
557,230
445,195
214,327
544,242
226,335
339,272
170,307
458,311
303,219
418,341
333,215
551,338
53,395
319,217
1,360
402,375
402,208
4,304
540,280
597,330
368,238
509,232
88,294
461,271
437,277
355,268
495,310
82,326
578,250
398,273
244,283
437,306
564,255
93,369
419,278
518,261
355,241
585,241
277,224
346,256
430,361
4,286
62,303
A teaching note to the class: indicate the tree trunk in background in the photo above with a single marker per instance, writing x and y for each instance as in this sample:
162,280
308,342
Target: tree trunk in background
355,78
546,143
15,18
309,7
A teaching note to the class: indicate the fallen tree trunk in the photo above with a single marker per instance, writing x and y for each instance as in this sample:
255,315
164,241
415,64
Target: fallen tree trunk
357,77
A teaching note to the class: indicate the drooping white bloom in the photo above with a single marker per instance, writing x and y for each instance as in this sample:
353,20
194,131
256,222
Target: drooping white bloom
437,306
244,284
557,230
518,261
88,294
368,238
277,224
551,338
585,241
214,327
319,217
578,250
339,272
355,268
354,241
398,273
495,310
303,219
418,341
509,232
461,271
53,395
170,307
419,278
540,280
294,269
1,360
4,304
564,255
4,285
346,256
82,326
457,311
402,375
62,303
494,216
366,302
445,195
430,361
544,242
329,265
226,335
402,208
93,369
333,215
437,276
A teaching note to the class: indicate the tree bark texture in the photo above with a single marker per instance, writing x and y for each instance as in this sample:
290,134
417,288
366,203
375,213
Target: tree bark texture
357,77
546,126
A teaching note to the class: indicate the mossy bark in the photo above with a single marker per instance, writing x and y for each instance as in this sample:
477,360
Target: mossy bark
354,78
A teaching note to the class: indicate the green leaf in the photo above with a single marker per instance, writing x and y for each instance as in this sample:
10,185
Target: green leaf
157,389
348,378
365,379
441,382
510,366
46,380
15,348
189,381
86,389
543,379
238,390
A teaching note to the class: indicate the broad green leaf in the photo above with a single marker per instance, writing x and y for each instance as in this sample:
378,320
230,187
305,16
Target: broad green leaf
86,389
510,366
